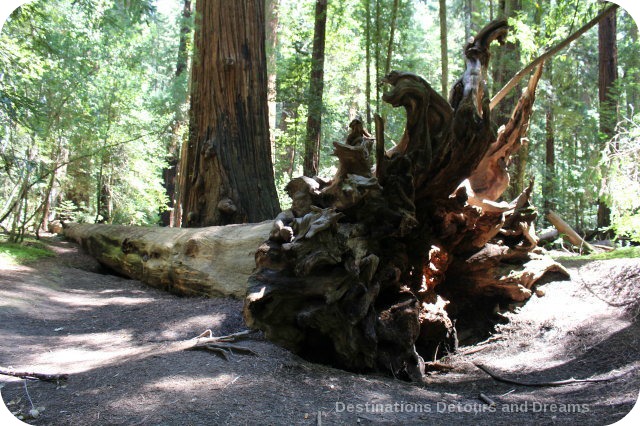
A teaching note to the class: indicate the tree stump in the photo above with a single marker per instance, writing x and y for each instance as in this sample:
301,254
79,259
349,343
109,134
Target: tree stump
384,267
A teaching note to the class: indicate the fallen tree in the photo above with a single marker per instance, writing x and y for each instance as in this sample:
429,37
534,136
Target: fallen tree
382,268
212,262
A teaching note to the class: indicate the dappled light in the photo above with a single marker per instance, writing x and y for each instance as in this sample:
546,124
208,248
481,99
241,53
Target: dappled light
319,212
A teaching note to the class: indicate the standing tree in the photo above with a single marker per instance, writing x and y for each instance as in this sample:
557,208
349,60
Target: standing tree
608,74
229,169
316,88
172,216
443,47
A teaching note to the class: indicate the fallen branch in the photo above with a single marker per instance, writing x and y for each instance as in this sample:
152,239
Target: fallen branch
33,376
573,237
570,381
549,53
222,344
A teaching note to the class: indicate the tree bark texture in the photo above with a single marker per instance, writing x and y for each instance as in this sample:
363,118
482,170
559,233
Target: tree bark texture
316,89
171,216
385,267
444,50
607,75
205,262
228,161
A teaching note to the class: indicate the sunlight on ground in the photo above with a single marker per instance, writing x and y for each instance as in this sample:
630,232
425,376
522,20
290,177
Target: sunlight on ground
174,329
188,382
83,352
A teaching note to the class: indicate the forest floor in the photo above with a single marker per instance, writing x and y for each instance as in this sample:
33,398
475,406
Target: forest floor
122,343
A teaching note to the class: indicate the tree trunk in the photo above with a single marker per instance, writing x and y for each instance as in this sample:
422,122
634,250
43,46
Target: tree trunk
508,62
230,171
169,174
314,119
392,31
608,74
205,262
271,50
382,269
571,235
367,87
444,51
550,155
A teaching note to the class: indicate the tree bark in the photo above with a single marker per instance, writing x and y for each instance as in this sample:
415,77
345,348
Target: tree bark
271,50
444,50
608,74
316,89
392,31
573,237
367,87
205,262
228,159
170,173
550,155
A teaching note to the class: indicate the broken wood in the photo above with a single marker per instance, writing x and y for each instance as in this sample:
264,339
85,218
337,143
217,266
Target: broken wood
570,381
222,345
384,268
30,375
565,229
212,262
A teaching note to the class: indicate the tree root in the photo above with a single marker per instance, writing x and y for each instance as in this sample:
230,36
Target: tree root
221,345
33,376
570,381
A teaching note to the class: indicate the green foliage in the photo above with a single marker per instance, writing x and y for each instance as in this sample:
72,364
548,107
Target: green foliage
88,95
622,160
632,252
91,109
23,253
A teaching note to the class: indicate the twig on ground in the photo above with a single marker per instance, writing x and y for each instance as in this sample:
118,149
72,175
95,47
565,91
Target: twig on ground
33,376
570,381
484,398
222,344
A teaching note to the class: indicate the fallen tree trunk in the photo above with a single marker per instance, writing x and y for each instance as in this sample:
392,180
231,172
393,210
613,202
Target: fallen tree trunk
566,229
383,269
212,262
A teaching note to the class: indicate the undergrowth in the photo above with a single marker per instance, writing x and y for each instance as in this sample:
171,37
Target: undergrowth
619,253
28,251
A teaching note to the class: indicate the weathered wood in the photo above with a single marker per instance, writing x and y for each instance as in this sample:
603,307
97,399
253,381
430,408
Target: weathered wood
212,262
573,237
381,270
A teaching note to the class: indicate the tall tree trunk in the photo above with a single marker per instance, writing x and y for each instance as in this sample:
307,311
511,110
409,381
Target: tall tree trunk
608,74
392,31
171,217
316,88
230,171
376,51
444,53
367,32
550,155
271,48
507,63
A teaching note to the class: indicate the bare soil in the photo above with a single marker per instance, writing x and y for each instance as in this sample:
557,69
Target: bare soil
123,345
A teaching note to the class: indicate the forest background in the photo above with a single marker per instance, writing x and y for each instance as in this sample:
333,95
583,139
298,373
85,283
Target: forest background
94,100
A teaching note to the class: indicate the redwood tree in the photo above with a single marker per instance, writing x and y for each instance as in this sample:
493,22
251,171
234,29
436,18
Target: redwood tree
314,119
229,172
608,74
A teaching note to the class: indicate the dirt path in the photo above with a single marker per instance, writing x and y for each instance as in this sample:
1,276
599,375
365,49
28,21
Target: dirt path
120,342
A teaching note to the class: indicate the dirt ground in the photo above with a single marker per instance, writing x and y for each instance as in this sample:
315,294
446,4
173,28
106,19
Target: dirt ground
122,344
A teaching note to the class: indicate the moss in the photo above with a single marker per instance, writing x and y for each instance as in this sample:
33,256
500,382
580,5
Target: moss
23,253
619,253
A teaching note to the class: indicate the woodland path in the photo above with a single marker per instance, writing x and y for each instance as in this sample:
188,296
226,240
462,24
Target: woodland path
120,342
